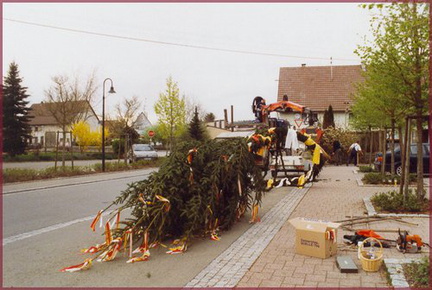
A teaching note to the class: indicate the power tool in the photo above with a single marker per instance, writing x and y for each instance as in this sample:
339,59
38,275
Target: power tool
409,243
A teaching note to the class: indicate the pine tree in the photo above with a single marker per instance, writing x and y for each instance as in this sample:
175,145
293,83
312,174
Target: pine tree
200,190
325,119
195,129
328,120
210,117
331,116
16,127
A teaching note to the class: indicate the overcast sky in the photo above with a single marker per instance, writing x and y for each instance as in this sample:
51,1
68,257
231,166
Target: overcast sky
128,42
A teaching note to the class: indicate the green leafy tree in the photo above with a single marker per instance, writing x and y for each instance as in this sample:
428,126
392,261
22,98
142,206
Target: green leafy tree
397,65
171,112
16,128
145,139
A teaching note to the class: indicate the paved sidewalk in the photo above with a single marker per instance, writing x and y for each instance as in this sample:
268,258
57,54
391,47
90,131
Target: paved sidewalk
269,255
229,267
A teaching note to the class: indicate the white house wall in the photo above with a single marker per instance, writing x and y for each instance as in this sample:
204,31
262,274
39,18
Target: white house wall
341,119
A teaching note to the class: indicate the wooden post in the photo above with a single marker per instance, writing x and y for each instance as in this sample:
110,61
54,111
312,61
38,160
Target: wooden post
383,149
126,147
118,153
370,145
71,149
56,155
232,118
226,118
45,143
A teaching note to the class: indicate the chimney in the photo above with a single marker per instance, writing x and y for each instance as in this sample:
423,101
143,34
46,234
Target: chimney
331,68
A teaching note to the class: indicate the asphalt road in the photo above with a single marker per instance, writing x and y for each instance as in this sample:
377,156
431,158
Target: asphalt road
46,164
47,223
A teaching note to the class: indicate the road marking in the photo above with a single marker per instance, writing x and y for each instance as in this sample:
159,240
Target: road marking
46,230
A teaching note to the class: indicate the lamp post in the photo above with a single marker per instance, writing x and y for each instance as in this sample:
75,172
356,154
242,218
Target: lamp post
111,91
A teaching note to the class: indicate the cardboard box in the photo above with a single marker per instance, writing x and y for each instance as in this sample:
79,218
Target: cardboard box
315,238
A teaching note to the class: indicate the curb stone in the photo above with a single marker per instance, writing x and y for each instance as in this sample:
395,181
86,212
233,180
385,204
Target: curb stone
394,267
372,212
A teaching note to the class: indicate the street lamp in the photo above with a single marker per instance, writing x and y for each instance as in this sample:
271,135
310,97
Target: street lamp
111,91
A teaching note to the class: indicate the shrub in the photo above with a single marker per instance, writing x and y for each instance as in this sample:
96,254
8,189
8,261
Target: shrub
372,178
18,174
393,201
378,178
118,146
365,169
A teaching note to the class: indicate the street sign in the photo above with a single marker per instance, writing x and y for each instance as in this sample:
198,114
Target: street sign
151,133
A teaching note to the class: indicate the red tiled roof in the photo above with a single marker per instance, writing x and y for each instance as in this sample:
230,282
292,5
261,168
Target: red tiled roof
317,87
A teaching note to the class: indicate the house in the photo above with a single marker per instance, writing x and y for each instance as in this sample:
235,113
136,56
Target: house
318,87
141,124
44,125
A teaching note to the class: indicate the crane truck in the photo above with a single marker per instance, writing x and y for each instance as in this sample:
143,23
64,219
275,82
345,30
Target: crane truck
270,148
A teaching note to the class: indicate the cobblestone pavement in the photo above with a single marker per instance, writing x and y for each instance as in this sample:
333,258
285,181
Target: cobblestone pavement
265,255
229,267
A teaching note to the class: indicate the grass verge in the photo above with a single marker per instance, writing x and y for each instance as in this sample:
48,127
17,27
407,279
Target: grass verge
19,175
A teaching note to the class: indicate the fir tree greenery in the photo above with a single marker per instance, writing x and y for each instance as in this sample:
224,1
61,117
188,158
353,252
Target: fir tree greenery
196,131
210,117
16,128
200,189
328,120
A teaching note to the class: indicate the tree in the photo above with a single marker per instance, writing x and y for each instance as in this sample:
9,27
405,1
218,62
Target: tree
69,102
183,200
196,131
398,60
86,137
171,112
156,138
82,133
190,105
16,128
210,117
127,111
328,120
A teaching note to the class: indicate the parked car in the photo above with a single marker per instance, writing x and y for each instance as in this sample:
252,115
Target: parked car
142,152
413,159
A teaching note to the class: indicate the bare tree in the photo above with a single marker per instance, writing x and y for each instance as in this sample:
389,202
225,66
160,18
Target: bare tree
192,104
68,101
127,111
